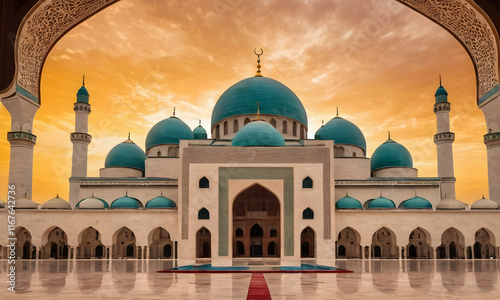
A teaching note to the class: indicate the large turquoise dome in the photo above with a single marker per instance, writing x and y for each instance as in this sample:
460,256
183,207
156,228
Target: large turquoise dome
348,202
389,155
341,131
274,98
168,131
126,154
258,133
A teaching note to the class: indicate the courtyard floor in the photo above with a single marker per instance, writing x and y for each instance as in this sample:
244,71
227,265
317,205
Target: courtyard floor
139,279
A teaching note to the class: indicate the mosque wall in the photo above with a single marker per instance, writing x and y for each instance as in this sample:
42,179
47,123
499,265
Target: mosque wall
166,167
352,168
119,172
396,172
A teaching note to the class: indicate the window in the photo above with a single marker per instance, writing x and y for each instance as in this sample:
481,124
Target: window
204,183
235,126
158,153
239,232
247,120
203,214
308,214
226,128
217,131
285,127
302,132
307,183
294,129
273,233
273,122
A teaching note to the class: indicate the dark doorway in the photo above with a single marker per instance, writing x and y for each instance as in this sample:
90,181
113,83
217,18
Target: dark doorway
53,250
412,251
377,251
453,251
130,251
341,251
477,250
167,251
99,251
26,250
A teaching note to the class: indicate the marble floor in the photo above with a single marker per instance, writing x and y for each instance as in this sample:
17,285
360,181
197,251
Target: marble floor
138,279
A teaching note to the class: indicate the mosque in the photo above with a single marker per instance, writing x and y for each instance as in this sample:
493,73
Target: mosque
258,188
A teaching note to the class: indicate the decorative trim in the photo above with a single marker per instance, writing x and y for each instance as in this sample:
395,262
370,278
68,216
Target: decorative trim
80,136
42,29
489,94
26,94
339,183
21,138
444,137
492,140
474,32
286,174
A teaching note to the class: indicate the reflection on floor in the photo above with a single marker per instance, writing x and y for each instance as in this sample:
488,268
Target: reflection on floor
383,279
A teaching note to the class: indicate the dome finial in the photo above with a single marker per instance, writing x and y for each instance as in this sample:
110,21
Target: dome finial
83,80
174,111
199,122
57,195
389,134
161,193
483,197
129,135
440,80
258,113
126,193
258,74
337,111
322,123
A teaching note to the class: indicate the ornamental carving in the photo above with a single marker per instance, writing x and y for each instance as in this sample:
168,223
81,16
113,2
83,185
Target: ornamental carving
50,21
471,29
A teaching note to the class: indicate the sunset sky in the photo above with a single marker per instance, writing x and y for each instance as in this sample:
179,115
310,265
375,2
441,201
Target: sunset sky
377,60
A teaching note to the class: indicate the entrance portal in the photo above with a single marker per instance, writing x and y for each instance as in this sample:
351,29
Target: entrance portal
256,223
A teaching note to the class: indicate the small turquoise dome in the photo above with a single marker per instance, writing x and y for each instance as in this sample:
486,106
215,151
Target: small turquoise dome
126,155
168,131
199,133
161,202
258,133
391,155
348,202
82,96
274,99
415,203
341,131
381,202
126,202
441,95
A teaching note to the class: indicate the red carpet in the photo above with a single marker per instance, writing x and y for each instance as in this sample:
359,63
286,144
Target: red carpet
258,289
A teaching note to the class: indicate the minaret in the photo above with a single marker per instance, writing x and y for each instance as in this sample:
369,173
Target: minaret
81,140
444,140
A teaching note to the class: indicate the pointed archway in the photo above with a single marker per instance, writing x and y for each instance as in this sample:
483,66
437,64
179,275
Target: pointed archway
256,223
452,244
24,247
90,244
160,243
384,244
307,243
348,243
203,243
124,244
57,244
419,245
484,246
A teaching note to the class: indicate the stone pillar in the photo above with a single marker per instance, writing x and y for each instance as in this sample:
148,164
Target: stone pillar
491,111
22,142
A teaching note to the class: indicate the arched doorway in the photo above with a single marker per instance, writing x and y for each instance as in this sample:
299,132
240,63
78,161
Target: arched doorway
484,246
384,244
24,247
57,244
256,223
307,249
90,239
348,244
160,244
203,243
419,244
452,244
124,244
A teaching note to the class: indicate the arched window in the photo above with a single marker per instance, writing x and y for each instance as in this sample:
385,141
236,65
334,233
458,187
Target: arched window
203,214
159,153
217,131
226,128
247,120
273,233
235,126
273,122
239,232
294,129
204,183
354,154
285,126
302,132
307,183
308,214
